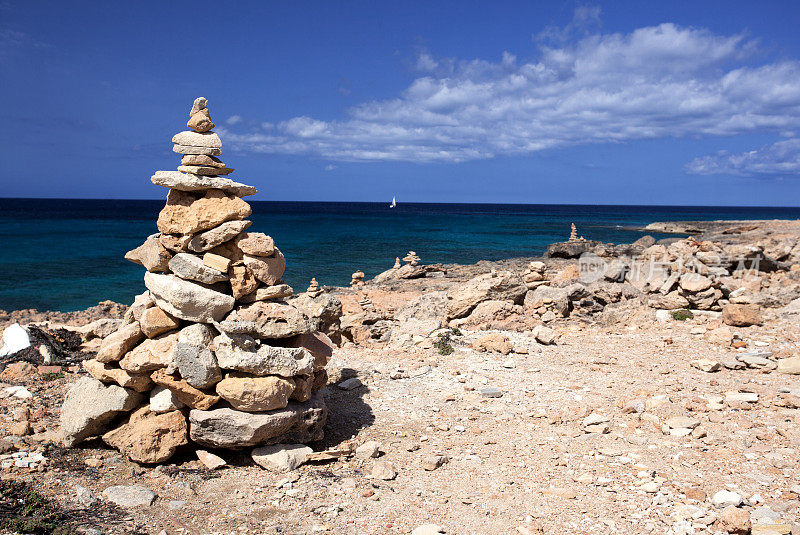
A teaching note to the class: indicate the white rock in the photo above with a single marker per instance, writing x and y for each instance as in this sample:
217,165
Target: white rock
15,338
197,139
281,457
368,450
724,498
164,400
188,300
130,495
428,529
209,460
189,182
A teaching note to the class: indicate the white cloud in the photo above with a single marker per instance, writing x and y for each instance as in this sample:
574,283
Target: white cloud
780,158
655,82
234,119
330,167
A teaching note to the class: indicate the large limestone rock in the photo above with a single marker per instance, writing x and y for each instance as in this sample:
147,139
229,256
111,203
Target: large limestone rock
90,406
245,354
571,249
695,282
550,297
188,213
186,393
193,357
187,300
117,344
256,244
243,282
190,267
268,293
108,374
503,286
155,322
232,429
150,355
181,181
742,315
267,269
198,139
255,394
271,320
671,301
151,254
148,437
209,239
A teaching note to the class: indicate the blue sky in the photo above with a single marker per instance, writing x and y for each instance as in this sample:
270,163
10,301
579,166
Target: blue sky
624,102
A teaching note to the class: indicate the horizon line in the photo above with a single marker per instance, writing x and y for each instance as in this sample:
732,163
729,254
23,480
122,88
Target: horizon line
422,202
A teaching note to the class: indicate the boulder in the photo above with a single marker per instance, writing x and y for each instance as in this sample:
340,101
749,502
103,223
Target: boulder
671,301
421,316
108,374
694,282
187,300
741,315
190,267
150,355
204,241
180,181
148,437
494,343
550,297
188,213
255,394
571,249
271,320
186,393
193,357
90,406
164,400
155,322
232,429
117,344
245,354
503,286
267,269
281,457
324,311
255,244
151,254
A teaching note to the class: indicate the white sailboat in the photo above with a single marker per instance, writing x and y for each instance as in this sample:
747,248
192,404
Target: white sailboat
394,202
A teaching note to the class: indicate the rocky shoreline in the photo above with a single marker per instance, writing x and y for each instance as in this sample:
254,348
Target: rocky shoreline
638,388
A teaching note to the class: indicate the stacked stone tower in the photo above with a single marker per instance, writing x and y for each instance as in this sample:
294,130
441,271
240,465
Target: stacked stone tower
211,353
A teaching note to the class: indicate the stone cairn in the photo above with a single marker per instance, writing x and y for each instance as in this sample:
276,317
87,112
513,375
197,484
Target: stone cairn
411,259
357,278
313,288
210,353
573,235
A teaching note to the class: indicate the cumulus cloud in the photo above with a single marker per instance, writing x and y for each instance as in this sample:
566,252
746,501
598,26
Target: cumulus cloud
780,158
234,119
580,87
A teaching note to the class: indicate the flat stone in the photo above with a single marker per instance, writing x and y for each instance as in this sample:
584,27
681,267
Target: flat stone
267,269
277,291
232,429
694,282
155,322
193,357
150,355
187,300
209,239
368,450
429,529
205,171
245,354
491,392
109,374
189,212
741,397
115,345
197,139
209,460
201,159
188,149
351,384
164,400
130,495
432,462
89,406
256,244
255,394
184,180
151,254
682,422
185,392
281,457
272,319
190,267
215,261
706,365
790,366
149,437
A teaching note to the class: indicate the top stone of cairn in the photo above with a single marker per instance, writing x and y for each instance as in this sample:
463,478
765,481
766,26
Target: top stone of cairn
199,116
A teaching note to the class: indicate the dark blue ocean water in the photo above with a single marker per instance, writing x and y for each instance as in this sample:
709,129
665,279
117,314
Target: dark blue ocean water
66,255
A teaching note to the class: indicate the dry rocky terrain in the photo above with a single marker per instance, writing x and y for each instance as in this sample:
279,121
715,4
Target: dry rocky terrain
521,396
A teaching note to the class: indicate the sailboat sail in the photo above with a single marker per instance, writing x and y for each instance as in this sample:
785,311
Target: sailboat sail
394,202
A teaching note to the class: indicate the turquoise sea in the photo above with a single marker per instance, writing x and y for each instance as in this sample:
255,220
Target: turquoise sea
67,254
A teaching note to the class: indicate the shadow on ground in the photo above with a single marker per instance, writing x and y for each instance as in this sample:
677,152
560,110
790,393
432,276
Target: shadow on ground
348,413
